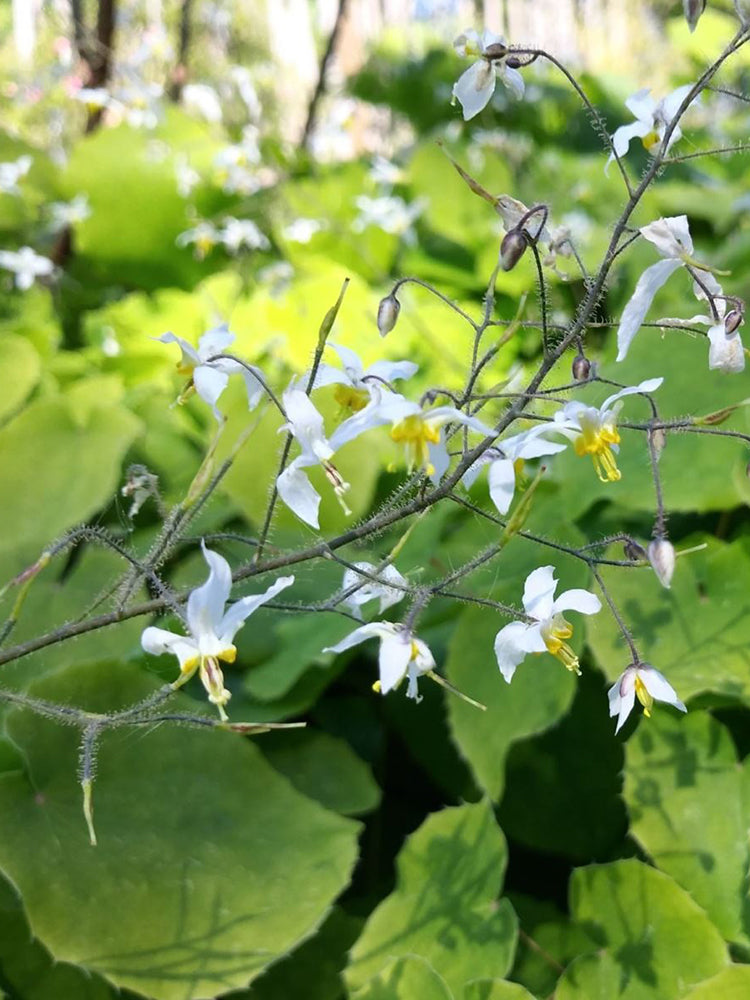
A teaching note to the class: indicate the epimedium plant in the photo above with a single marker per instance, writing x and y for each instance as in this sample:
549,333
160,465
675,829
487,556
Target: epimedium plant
520,430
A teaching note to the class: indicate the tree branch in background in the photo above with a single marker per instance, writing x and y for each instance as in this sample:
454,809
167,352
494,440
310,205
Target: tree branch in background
100,57
321,84
179,73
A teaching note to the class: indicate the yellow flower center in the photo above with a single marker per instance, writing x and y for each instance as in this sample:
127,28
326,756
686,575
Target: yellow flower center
597,442
554,636
643,696
203,245
416,435
350,398
650,140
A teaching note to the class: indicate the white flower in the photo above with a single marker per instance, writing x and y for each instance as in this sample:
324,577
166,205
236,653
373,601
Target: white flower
238,233
389,213
419,430
476,86
26,265
726,352
186,176
68,213
355,384
506,459
11,173
370,590
204,236
671,237
302,230
243,154
385,173
200,99
95,98
401,655
211,629
652,120
593,430
141,104
305,424
548,630
645,682
209,377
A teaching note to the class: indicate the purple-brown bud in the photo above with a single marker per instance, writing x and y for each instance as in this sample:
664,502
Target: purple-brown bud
388,311
495,51
512,249
581,368
693,10
634,552
733,320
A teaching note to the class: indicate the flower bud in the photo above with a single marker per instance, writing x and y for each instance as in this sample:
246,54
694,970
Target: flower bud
495,51
661,555
512,249
693,10
634,552
733,320
581,368
388,311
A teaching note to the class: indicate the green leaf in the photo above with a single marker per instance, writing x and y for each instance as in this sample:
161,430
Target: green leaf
405,979
689,809
209,865
21,368
444,908
693,632
542,690
730,984
495,989
324,768
57,471
655,941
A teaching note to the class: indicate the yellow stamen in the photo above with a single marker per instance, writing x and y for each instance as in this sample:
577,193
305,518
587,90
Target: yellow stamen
376,687
643,696
416,435
554,639
228,655
350,398
650,140
597,442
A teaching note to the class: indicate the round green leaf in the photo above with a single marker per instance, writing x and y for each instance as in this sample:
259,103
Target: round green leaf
209,865
655,941
405,979
444,908
731,984
697,633
689,808
495,989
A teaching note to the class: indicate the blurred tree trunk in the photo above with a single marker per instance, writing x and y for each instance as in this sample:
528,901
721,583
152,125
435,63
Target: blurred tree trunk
179,74
95,50
321,84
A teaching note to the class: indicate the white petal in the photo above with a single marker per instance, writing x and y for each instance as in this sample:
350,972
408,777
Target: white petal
670,236
241,610
389,595
472,473
577,600
205,606
513,642
468,43
474,88
490,38
306,424
381,630
622,136
328,375
298,493
513,81
647,385
390,371
215,341
373,415
158,640
622,697
439,459
538,592
531,444
349,359
449,414
190,356
502,482
670,105
659,687
642,106
635,311
726,353
209,384
395,654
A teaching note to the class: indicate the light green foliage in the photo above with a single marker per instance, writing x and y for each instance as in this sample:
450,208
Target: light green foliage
654,941
444,908
171,902
692,632
688,802
495,989
404,978
21,369
730,984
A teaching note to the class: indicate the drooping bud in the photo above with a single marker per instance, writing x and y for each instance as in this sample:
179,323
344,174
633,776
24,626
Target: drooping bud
693,10
495,51
581,368
733,320
661,555
633,551
388,311
512,249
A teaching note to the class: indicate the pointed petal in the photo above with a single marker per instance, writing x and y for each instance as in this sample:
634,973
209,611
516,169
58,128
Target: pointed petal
449,414
671,103
726,353
298,493
205,606
395,654
642,106
439,459
390,371
659,687
381,630
371,416
623,135
474,88
513,642
531,444
190,356
158,640
635,311
670,236
209,384
215,341
502,482
472,473
538,592
241,610
328,375
349,359
513,81
647,385
582,601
